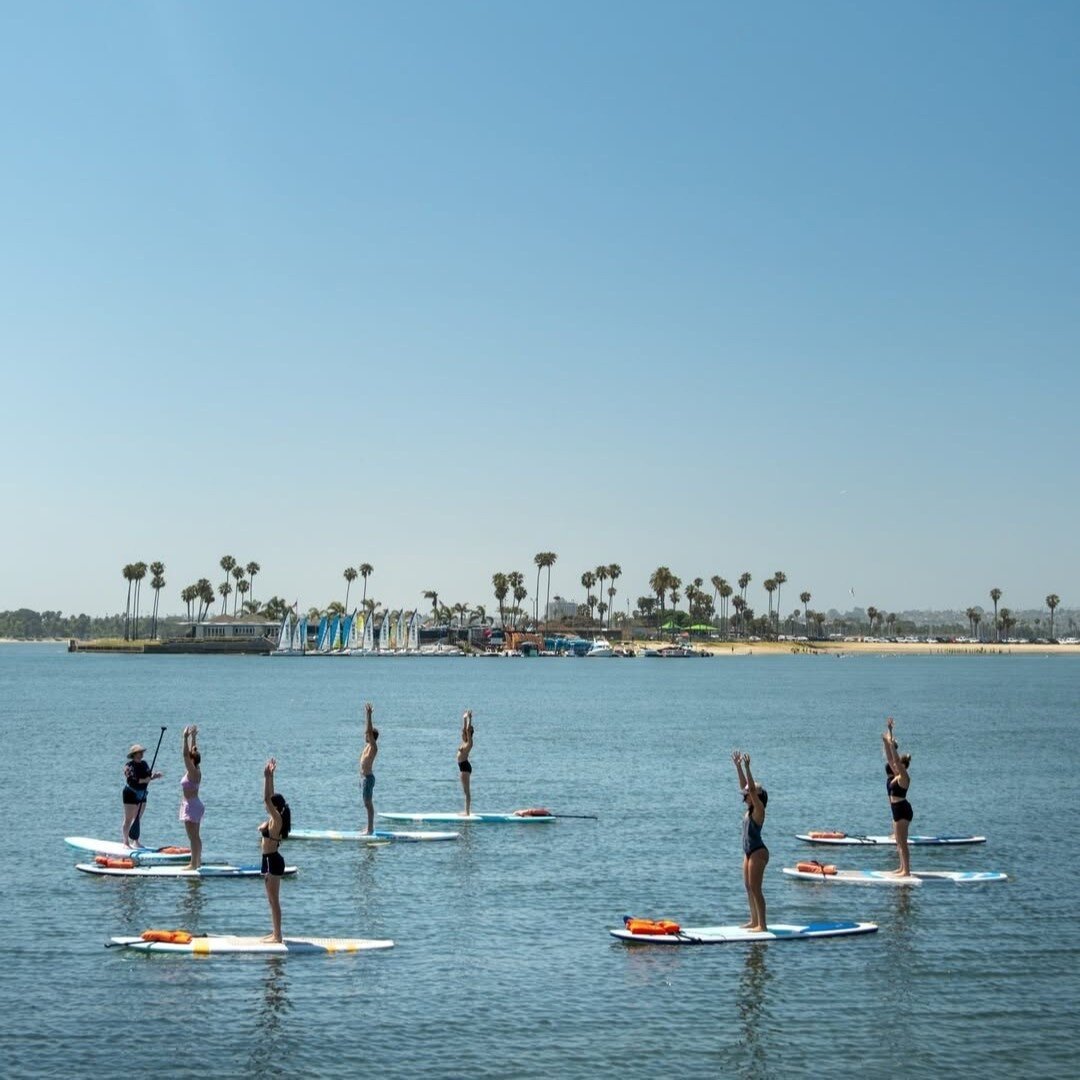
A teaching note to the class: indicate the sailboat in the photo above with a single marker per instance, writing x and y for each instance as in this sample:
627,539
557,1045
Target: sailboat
299,639
346,633
285,636
369,634
413,645
384,634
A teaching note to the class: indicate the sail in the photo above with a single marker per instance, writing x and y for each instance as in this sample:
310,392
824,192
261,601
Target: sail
384,634
284,642
369,632
414,632
356,632
320,638
299,641
346,631
332,633
402,631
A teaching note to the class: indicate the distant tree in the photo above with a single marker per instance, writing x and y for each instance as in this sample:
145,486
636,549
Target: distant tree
769,585
366,570
726,592
614,572
658,582
819,622
1052,602
744,580
252,569
501,587
129,577
872,614
226,562
779,577
206,597
350,576
516,580
995,595
805,598
157,583
238,573
138,573
224,590
588,579
242,587
739,604
976,618
1006,622
433,596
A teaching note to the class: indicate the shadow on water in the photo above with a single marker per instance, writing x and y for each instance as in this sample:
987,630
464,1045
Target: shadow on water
272,1008
753,988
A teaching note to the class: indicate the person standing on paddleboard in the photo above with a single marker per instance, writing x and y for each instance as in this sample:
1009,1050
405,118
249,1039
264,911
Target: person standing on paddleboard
897,783
463,751
755,853
191,807
273,830
137,777
367,764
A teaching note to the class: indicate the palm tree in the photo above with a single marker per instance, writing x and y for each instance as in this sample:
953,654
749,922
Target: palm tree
601,577
252,569
805,598
819,622
187,594
995,595
890,622
433,596
502,587
516,580
674,585
738,603
1052,602
350,576
1006,621
157,583
227,562
129,577
242,587
976,618
779,577
549,562
224,589
769,584
726,592
744,580
658,582
366,570
138,573
614,572
206,597
238,573
872,614
588,579
539,559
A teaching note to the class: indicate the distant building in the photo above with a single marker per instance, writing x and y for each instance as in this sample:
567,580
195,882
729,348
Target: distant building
559,608
234,627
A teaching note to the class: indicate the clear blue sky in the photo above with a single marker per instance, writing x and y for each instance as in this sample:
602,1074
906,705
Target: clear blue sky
439,285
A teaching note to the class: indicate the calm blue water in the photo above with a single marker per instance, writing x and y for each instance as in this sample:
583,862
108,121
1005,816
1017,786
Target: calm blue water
503,967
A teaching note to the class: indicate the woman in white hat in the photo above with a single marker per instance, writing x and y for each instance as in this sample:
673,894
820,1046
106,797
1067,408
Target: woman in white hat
137,777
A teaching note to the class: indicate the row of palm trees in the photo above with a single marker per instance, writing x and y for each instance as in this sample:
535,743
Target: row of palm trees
133,574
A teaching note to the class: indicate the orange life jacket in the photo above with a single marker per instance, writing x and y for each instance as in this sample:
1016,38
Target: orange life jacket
651,926
815,868
114,863
174,937
825,834
536,811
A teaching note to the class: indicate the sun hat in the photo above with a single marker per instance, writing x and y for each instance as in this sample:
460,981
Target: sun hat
136,748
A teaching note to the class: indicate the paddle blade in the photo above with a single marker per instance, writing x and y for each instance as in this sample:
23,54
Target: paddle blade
136,828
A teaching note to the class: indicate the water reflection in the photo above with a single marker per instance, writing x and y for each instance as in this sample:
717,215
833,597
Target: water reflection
192,904
272,1008
753,987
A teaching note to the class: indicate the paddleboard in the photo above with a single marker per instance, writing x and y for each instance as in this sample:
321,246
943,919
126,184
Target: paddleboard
872,841
378,836
118,850
207,870
716,935
214,943
471,819
884,877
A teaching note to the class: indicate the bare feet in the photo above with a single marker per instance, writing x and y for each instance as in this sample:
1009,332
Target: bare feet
270,939
756,929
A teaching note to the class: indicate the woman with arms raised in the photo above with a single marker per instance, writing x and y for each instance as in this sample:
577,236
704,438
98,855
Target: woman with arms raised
897,783
755,853
273,830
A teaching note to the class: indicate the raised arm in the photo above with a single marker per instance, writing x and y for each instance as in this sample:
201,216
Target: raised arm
369,727
268,795
467,730
189,738
888,740
737,757
757,807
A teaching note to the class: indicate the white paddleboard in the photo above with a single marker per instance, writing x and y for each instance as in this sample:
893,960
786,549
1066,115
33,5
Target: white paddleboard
471,819
884,877
118,850
378,836
213,944
207,870
716,935
844,839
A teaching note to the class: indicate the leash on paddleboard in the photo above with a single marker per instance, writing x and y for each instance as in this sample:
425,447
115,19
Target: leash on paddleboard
136,828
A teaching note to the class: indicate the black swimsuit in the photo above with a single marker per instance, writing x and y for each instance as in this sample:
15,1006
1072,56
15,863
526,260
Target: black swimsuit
464,766
272,862
901,811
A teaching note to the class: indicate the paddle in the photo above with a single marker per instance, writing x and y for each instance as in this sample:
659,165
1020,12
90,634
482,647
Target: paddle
136,828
